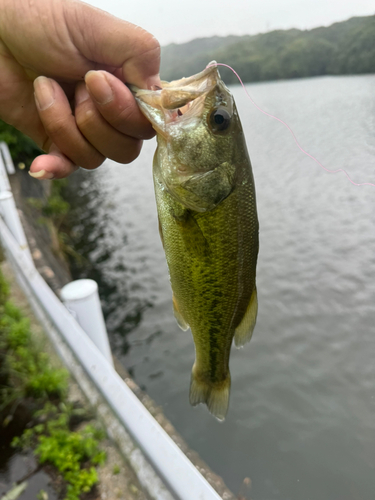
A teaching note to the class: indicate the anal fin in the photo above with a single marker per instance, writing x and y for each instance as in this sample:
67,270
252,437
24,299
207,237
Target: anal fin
244,330
179,318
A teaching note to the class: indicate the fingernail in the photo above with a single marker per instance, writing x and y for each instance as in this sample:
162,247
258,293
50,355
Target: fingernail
42,174
81,94
99,87
153,81
44,92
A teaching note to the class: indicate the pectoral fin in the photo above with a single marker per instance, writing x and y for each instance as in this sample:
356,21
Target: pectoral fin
180,320
194,239
244,330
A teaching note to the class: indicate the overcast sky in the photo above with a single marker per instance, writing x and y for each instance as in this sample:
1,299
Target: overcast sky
182,20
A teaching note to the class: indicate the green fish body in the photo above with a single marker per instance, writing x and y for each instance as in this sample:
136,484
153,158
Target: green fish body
208,223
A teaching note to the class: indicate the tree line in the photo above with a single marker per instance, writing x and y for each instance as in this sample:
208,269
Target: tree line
343,48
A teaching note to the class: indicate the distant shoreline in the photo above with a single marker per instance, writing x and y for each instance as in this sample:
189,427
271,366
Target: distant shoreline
345,48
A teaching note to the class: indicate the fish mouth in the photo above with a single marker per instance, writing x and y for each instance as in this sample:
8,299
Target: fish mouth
178,102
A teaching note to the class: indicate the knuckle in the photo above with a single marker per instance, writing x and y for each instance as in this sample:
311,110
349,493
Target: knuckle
93,162
145,42
123,114
148,133
84,118
132,152
126,154
151,46
57,127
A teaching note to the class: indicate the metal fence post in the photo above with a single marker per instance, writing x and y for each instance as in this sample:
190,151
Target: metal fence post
81,298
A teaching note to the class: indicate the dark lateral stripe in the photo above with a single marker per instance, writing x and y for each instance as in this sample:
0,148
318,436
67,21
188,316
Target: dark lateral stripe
213,352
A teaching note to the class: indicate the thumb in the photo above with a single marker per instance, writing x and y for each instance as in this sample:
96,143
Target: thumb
107,40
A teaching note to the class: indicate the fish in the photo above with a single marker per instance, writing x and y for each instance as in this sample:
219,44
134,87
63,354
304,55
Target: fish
208,223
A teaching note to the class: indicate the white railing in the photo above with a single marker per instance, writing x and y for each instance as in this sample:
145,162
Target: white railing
181,477
7,159
6,165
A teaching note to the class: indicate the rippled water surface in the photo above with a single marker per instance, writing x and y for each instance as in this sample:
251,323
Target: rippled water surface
301,423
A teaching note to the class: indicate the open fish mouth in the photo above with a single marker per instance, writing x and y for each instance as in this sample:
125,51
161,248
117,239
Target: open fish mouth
180,102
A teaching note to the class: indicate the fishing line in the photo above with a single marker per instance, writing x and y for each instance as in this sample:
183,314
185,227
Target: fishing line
291,131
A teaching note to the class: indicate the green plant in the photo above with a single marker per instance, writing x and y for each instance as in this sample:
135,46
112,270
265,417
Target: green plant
74,454
53,213
54,207
22,148
28,366
28,375
25,370
4,290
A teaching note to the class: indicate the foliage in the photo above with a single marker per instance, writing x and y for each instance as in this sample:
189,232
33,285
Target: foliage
54,213
22,148
4,290
74,454
343,48
29,374
29,368
54,207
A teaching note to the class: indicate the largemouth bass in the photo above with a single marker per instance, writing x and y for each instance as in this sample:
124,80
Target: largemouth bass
208,222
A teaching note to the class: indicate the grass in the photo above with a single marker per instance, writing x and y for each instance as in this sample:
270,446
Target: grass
27,376
74,454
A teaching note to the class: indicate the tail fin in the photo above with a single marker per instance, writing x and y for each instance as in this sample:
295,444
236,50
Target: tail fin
214,394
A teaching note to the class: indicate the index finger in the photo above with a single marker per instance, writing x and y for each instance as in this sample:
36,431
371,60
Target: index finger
114,42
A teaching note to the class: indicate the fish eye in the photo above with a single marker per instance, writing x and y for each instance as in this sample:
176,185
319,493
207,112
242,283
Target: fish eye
219,119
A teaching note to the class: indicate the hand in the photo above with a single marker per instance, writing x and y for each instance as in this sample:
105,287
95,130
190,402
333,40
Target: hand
76,59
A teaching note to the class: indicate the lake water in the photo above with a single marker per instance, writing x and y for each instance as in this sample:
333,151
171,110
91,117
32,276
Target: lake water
301,423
